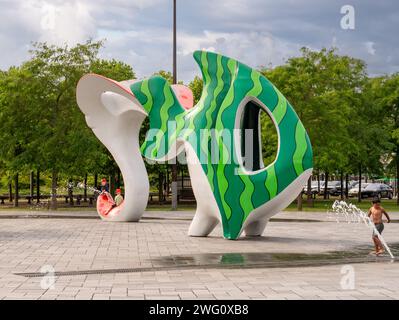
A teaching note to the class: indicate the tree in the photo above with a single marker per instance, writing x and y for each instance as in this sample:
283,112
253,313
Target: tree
61,133
269,139
113,69
18,122
166,75
325,89
42,124
196,86
384,97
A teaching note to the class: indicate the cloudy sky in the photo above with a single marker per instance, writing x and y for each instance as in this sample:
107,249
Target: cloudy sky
257,32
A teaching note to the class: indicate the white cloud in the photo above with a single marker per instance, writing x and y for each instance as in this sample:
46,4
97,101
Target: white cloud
370,47
256,32
152,52
57,23
254,48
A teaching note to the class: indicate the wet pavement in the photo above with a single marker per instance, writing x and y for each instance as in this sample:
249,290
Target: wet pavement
276,259
90,259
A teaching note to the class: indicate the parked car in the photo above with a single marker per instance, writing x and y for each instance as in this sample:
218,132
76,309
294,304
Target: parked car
331,187
379,190
336,189
353,184
314,187
353,192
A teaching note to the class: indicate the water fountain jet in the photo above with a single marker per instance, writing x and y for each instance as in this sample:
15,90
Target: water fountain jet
353,214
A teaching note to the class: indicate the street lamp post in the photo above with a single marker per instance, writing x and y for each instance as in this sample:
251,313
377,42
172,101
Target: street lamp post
174,43
174,165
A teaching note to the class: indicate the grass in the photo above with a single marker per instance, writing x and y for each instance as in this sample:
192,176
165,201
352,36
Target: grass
319,205
62,207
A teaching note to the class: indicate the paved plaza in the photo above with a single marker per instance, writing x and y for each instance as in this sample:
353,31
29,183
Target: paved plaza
74,255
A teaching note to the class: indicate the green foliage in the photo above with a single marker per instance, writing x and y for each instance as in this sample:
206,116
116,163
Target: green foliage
269,139
59,135
326,91
113,69
196,87
16,101
383,104
42,126
352,120
166,75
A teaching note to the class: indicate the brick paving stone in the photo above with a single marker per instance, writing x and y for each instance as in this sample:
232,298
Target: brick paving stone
26,245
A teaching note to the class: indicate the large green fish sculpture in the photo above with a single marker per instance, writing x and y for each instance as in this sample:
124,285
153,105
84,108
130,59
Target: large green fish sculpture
220,137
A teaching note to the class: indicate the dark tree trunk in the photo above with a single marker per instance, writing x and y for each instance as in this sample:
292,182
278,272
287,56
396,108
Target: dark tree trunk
38,186
16,198
318,183
309,192
10,197
342,185
167,181
299,202
325,185
160,186
174,187
112,184
85,189
54,181
95,181
359,194
347,186
70,192
31,184
118,183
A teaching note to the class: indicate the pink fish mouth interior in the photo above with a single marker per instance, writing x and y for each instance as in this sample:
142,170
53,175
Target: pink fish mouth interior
106,206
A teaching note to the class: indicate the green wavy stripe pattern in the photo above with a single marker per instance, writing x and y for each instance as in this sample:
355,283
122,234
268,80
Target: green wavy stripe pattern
224,151
301,147
281,109
209,120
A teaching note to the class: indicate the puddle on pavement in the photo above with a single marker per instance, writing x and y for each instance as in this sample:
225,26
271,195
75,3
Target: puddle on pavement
241,260
275,259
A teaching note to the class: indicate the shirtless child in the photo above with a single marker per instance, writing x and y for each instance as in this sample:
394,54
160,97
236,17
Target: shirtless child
376,212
